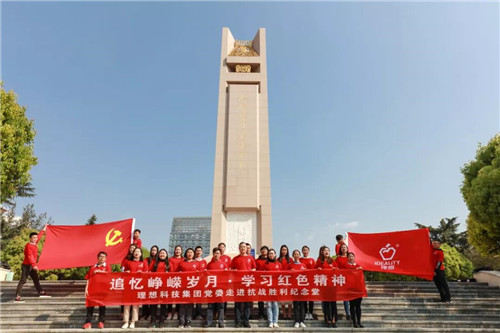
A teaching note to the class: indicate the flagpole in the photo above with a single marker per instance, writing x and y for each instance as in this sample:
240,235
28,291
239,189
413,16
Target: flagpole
132,231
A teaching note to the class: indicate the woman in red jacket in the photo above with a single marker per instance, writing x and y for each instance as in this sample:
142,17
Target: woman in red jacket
273,306
162,265
310,263
174,261
329,308
355,304
187,265
342,263
153,256
260,262
299,311
137,264
285,260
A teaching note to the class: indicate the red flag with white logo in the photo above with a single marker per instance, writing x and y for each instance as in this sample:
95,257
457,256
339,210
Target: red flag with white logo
400,252
77,246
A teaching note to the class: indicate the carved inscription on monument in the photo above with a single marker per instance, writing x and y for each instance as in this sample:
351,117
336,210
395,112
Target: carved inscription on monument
241,227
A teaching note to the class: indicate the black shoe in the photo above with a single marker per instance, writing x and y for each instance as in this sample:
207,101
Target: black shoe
246,324
359,325
334,325
222,325
354,324
347,317
239,325
329,325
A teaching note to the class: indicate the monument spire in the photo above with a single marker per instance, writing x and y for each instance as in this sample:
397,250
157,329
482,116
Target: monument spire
241,206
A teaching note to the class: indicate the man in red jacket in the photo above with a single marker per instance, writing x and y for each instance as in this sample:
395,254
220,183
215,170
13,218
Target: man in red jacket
29,266
439,276
136,238
243,262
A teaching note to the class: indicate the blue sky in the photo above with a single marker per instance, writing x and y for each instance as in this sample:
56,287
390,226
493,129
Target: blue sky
373,109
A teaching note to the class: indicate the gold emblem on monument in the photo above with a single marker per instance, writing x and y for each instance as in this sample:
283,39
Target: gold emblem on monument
243,48
243,68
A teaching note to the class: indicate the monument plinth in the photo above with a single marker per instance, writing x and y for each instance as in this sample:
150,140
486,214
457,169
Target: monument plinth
241,206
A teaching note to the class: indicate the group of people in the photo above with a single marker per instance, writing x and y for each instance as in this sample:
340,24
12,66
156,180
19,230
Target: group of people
191,260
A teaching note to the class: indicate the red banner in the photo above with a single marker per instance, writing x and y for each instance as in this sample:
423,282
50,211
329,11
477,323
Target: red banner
225,286
401,252
77,246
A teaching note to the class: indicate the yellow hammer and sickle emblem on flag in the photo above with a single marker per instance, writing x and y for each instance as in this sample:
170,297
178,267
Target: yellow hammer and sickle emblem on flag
112,240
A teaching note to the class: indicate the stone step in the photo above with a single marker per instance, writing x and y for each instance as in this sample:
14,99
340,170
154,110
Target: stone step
390,307
265,329
373,316
198,323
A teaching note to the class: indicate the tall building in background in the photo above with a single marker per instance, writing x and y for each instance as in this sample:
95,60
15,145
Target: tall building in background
190,232
241,206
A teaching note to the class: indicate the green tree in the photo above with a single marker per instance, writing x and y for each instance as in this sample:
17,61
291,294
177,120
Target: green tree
488,263
92,220
456,264
481,192
11,225
17,136
447,232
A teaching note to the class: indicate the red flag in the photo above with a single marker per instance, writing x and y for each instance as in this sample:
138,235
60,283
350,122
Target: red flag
401,252
77,246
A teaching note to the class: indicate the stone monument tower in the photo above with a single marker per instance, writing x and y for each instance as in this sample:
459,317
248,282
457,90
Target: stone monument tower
241,206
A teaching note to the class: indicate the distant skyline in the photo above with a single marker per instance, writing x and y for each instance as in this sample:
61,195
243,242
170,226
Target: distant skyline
373,109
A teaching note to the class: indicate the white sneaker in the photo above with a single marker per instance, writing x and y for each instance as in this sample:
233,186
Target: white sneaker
125,325
175,316
276,325
297,325
271,325
132,325
310,316
302,325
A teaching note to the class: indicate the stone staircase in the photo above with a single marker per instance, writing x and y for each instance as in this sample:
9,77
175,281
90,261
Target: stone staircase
389,307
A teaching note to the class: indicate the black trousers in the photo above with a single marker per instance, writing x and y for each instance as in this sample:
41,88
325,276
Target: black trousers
355,309
145,310
197,311
262,310
27,270
299,311
90,312
330,310
310,308
442,285
153,310
186,314
242,311
217,308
